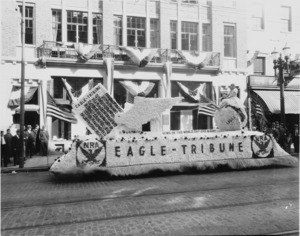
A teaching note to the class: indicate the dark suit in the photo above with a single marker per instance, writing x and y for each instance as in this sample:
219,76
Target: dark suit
3,151
8,139
16,147
295,138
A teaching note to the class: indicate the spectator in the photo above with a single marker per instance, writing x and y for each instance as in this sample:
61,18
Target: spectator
283,137
8,139
275,130
4,158
295,138
37,139
44,138
30,141
17,148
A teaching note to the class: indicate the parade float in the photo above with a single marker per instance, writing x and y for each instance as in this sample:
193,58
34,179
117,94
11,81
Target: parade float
118,145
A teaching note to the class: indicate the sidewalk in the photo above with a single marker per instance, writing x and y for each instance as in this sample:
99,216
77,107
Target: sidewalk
36,163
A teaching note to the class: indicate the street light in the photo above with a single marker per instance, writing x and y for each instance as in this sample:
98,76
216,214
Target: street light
281,62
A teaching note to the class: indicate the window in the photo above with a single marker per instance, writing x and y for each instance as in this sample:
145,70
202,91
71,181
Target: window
56,25
258,17
136,36
206,38
154,33
286,24
259,66
117,30
97,28
173,30
229,41
77,26
190,1
189,36
28,24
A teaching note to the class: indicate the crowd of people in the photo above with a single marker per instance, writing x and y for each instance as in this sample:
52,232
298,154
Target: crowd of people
284,137
35,143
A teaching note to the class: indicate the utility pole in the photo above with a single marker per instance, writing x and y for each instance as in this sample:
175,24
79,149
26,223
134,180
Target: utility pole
22,98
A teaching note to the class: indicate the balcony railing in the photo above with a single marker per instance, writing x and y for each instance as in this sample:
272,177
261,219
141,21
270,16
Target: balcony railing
52,50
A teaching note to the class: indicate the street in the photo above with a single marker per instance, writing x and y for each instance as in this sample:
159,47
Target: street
256,201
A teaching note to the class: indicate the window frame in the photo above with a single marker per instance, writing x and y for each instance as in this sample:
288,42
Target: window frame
288,20
205,37
154,33
233,53
263,66
258,18
189,35
77,26
27,19
137,21
98,40
54,22
118,27
173,25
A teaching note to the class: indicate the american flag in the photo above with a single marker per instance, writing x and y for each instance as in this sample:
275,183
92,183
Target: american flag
55,111
208,109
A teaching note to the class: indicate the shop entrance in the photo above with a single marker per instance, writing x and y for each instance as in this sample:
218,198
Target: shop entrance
31,118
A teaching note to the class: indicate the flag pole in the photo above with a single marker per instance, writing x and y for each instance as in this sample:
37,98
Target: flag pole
22,99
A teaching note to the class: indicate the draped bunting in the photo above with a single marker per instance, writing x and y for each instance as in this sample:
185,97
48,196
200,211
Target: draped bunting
140,57
250,61
199,61
55,111
197,95
133,89
167,78
109,69
16,94
85,52
75,92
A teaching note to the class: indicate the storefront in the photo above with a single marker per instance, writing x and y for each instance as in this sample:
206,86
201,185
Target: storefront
264,101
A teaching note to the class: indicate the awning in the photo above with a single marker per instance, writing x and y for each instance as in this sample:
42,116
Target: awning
28,107
272,100
16,93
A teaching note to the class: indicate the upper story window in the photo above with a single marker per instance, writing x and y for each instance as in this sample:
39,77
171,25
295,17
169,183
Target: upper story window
154,33
29,22
77,26
286,19
206,38
173,30
117,30
136,32
97,28
258,17
229,41
190,1
56,25
259,66
189,36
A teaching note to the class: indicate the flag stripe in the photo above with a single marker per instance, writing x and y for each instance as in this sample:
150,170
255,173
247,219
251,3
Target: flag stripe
207,109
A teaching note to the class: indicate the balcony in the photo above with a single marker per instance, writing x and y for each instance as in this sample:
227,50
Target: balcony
55,51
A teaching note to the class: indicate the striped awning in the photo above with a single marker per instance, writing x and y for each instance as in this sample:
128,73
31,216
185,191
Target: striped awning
14,100
272,100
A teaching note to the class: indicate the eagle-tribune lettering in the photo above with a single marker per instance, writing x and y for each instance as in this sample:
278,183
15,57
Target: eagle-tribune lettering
185,149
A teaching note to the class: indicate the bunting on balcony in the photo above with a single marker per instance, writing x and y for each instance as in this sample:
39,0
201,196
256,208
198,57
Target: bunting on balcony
76,89
133,89
85,52
250,59
197,95
167,78
109,69
197,61
59,112
140,57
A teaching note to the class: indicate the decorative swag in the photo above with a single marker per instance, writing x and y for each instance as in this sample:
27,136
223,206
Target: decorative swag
197,61
76,89
140,57
85,52
198,95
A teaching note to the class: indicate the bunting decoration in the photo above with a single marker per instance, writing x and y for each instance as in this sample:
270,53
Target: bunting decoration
75,92
208,109
198,62
140,57
55,111
197,95
85,52
167,78
109,69
251,60
14,100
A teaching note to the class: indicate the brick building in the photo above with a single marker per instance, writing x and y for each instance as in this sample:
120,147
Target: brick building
75,44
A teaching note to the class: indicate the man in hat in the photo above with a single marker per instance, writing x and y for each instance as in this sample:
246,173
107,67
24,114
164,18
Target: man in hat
295,138
17,147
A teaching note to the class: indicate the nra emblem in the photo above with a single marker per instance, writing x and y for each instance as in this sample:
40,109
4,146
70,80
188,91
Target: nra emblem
262,146
91,152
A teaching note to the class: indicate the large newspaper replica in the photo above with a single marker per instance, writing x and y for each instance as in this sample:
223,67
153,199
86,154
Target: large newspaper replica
97,110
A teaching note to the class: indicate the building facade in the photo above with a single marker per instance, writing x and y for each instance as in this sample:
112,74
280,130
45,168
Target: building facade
163,48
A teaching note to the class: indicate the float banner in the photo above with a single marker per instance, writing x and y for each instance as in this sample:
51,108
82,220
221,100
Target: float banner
176,151
97,110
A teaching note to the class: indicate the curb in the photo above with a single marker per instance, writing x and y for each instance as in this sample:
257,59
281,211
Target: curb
28,169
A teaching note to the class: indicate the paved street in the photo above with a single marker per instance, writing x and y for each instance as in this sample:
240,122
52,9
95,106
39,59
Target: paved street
259,201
